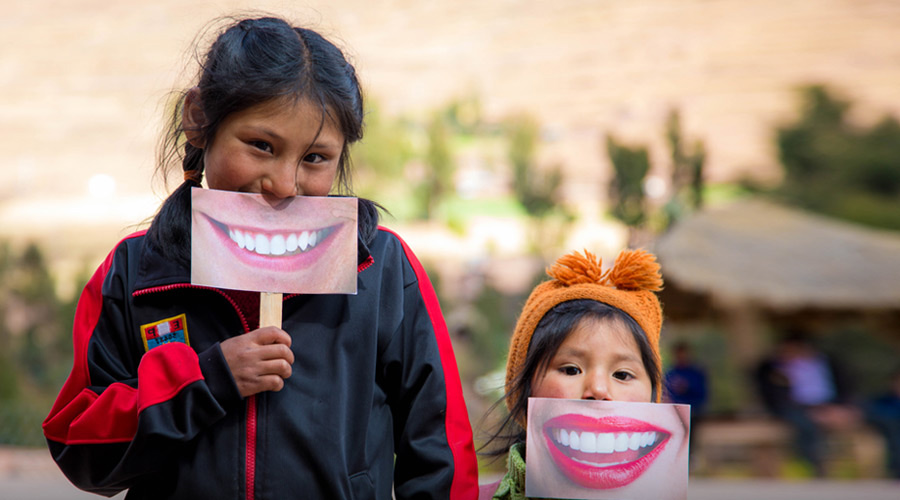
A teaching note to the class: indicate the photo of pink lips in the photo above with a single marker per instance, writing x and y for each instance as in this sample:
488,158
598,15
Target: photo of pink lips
302,244
603,453
606,450
274,249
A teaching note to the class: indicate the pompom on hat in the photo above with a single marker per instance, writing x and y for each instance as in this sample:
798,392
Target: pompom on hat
629,285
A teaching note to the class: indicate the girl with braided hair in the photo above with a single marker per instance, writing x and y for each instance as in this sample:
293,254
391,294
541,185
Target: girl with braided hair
176,391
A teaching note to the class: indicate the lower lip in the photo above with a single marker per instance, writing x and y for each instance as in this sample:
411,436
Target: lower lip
604,478
275,263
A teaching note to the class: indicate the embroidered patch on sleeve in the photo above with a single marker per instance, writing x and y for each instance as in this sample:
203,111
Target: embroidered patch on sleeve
172,329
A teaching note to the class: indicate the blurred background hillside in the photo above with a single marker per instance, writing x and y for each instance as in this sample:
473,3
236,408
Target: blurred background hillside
755,146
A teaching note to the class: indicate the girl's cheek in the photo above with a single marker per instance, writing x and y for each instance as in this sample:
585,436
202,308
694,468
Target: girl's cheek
549,387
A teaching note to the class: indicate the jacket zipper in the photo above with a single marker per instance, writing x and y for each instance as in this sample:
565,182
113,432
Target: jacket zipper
251,447
365,264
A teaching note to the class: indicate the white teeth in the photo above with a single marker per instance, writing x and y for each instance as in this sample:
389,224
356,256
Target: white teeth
303,240
290,243
621,442
278,244
262,244
588,442
604,442
237,237
634,441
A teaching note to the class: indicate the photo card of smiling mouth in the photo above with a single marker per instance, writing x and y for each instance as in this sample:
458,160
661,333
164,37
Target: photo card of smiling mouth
303,244
589,449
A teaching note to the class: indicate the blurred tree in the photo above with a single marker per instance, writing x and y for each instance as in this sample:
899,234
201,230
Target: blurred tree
34,359
382,155
687,171
536,189
439,166
631,165
464,115
31,322
836,168
626,190
9,380
492,324
35,289
33,282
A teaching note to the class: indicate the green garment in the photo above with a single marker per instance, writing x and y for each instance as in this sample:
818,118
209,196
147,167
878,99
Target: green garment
512,486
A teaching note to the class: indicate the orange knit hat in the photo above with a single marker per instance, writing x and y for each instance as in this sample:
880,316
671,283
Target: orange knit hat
628,285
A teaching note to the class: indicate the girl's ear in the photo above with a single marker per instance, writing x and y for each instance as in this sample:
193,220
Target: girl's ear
193,120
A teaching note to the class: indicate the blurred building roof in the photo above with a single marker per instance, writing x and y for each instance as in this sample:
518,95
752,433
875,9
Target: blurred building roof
781,258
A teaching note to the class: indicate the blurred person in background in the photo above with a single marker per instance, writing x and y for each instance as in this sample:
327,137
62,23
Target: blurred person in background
883,412
809,391
685,383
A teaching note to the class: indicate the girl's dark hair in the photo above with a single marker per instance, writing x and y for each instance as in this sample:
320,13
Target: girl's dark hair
251,62
552,330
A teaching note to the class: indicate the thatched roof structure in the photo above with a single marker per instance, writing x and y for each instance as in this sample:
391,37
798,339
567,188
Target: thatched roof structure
781,259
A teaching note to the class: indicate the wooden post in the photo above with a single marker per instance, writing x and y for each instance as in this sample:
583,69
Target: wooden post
269,309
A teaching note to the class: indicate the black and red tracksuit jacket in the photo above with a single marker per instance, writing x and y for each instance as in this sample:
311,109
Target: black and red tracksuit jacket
374,379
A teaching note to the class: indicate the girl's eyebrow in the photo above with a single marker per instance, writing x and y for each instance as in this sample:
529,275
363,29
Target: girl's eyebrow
263,130
325,145
628,356
573,351
618,356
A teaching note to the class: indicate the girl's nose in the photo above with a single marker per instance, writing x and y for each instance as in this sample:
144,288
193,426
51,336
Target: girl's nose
281,181
597,388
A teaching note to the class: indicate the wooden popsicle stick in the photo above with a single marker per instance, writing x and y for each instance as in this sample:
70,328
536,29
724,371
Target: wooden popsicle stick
269,309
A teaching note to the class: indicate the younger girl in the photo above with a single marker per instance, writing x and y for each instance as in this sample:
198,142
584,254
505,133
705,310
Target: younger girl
356,396
585,334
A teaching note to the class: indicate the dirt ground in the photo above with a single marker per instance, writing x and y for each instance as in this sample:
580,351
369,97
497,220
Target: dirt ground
27,474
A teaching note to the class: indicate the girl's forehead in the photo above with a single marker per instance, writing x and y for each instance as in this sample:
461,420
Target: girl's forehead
605,335
289,104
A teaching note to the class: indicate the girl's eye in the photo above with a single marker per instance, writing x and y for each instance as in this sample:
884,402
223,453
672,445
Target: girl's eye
570,370
314,158
262,146
621,375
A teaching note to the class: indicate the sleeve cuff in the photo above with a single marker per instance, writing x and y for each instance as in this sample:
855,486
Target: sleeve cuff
218,376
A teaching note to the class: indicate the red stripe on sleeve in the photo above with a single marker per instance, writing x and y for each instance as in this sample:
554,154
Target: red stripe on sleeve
74,397
80,415
459,430
164,371
110,417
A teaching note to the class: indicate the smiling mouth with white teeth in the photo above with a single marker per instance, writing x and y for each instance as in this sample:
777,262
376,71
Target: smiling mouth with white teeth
604,449
277,244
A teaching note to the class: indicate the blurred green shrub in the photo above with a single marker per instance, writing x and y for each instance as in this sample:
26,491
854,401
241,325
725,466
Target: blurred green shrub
626,189
35,338
837,168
